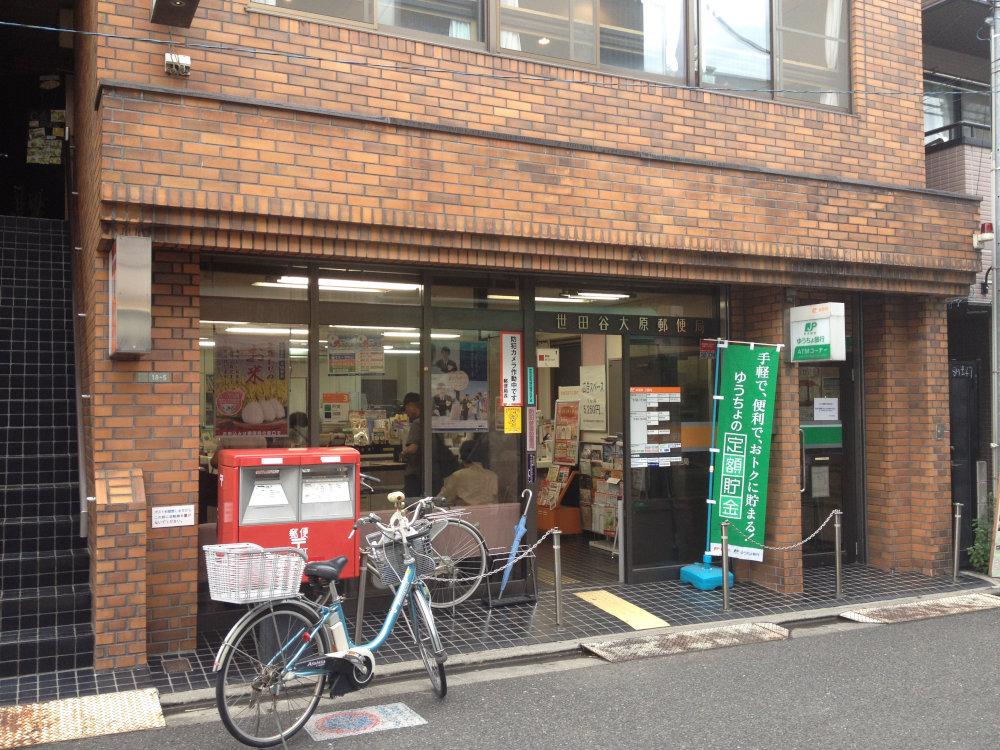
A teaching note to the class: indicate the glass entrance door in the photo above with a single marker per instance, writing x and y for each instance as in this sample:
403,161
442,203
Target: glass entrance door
668,402
826,420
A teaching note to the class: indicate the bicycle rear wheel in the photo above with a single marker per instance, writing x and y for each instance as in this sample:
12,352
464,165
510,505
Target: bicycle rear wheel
460,561
428,643
259,705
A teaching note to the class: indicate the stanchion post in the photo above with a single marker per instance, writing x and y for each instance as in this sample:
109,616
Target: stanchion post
362,584
557,558
957,542
837,562
725,566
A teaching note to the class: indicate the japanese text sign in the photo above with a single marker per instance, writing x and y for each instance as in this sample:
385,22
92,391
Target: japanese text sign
742,450
252,376
512,368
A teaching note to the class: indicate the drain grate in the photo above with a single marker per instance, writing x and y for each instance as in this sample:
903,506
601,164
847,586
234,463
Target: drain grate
79,718
629,649
952,605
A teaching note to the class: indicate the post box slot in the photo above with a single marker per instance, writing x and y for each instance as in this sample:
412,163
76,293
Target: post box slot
327,492
268,495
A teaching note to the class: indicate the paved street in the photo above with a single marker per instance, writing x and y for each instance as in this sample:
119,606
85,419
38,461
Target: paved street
926,684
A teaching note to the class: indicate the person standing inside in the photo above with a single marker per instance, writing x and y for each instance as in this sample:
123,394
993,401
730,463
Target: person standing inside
413,453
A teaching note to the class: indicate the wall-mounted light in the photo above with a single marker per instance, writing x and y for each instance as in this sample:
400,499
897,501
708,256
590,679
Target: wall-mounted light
174,12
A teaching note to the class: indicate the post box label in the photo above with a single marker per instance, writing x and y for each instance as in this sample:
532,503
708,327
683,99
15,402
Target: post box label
267,494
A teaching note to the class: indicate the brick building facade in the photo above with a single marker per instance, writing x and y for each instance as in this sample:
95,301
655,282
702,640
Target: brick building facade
297,140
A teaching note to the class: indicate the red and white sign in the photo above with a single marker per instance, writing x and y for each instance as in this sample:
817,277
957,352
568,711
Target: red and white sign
512,368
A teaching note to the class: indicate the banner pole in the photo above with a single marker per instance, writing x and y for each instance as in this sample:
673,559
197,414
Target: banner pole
707,557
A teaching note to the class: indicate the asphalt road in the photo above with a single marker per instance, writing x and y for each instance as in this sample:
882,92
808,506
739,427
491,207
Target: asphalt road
928,684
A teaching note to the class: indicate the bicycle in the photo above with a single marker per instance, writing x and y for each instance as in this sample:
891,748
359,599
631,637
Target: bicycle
459,551
274,663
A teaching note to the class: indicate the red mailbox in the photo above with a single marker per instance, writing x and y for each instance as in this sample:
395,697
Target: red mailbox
292,497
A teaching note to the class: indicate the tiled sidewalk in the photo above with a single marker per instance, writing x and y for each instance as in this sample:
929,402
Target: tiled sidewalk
473,628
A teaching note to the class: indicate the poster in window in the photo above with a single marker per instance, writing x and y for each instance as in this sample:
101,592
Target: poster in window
593,398
356,354
460,390
252,376
567,438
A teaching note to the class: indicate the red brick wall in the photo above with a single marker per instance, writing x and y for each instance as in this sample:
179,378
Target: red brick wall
908,475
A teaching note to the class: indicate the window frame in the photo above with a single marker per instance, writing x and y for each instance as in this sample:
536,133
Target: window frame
692,41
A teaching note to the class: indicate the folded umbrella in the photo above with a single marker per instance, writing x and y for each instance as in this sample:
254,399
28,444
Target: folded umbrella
519,532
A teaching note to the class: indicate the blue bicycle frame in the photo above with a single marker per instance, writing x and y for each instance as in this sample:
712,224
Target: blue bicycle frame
408,584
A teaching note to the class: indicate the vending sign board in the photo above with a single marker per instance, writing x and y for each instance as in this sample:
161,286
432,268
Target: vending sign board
817,333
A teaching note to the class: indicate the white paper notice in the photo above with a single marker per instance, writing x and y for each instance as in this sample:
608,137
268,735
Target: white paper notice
326,491
821,481
637,421
166,516
826,409
265,495
594,398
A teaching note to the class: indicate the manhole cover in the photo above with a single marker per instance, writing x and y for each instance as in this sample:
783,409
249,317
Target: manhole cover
357,721
696,640
952,605
79,718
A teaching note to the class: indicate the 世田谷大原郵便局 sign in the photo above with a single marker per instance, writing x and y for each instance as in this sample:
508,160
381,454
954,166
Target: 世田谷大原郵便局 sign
747,384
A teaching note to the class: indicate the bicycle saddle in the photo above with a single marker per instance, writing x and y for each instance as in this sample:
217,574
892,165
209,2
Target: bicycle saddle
329,570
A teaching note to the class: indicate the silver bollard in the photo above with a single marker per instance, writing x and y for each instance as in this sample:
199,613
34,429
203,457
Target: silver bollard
837,562
362,585
958,542
725,566
557,558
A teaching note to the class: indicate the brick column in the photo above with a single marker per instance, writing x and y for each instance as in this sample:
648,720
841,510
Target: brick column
758,314
908,470
116,524
154,426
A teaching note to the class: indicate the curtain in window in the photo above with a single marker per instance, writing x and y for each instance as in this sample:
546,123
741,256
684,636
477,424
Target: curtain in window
460,29
510,39
834,11
660,36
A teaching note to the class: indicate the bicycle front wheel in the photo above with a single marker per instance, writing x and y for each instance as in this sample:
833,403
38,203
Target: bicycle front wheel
460,557
428,643
262,703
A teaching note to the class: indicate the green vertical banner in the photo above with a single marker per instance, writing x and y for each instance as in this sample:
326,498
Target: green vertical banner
742,450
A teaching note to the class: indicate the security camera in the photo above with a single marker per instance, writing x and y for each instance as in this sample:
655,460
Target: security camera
177,65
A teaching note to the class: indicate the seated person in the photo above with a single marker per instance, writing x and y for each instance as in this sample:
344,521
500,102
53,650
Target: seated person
472,484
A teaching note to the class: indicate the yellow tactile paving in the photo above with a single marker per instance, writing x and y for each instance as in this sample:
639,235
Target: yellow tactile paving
79,718
633,616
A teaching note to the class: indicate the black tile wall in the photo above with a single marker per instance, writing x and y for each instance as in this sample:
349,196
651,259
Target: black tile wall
44,592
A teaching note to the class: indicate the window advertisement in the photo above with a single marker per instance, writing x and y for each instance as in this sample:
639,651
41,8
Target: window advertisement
460,388
251,382
356,353
747,384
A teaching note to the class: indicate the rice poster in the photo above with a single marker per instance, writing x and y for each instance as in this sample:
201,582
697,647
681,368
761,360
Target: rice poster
252,375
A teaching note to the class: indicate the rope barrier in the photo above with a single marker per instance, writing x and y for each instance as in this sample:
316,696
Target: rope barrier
790,546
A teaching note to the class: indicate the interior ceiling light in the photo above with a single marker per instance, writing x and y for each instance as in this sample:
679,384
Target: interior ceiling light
544,40
341,285
49,82
223,322
402,351
377,328
515,298
269,331
603,295
408,334
205,344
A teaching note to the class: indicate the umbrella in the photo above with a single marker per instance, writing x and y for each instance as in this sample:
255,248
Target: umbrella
519,532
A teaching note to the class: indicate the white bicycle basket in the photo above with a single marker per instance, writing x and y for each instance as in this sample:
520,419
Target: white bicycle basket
247,573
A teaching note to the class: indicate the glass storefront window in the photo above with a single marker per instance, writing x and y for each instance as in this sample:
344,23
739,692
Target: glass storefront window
476,294
356,287
555,28
735,43
573,299
644,35
458,19
365,374
225,281
474,462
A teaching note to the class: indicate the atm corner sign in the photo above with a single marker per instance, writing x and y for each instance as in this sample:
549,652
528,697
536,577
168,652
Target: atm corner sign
816,333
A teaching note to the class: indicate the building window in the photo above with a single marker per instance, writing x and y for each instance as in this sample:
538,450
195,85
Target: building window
813,59
554,28
956,113
456,19
348,10
644,35
735,44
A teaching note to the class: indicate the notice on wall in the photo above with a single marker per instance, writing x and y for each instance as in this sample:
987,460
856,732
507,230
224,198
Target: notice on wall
547,357
167,516
512,420
252,376
356,354
531,428
826,409
567,437
654,432
512,368
593,398
820,476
